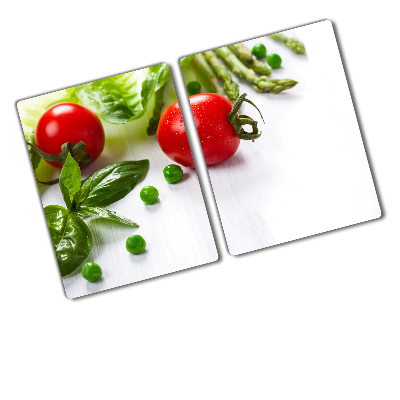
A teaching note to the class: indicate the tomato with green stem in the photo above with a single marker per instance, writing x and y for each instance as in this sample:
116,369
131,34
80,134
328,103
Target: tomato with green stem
219,127
69,122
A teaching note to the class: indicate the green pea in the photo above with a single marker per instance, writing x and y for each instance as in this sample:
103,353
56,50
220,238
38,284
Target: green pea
193,87
149,194
259,51
274,61
135,244
91,272
173,173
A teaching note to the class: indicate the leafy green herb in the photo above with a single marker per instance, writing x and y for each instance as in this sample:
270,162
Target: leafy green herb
113,182
72,239
82,194
70,179
107,214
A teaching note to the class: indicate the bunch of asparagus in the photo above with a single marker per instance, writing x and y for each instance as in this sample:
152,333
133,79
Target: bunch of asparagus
214,65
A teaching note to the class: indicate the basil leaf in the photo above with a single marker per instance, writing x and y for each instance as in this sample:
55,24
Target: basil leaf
71,238
114,182
107,214
82,194
185,61
65,194
70,179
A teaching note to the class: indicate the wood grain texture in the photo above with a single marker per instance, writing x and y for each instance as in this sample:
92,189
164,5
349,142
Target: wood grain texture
308,173
176,228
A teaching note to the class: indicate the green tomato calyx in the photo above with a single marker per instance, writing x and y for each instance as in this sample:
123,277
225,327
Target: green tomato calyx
77,152
238,121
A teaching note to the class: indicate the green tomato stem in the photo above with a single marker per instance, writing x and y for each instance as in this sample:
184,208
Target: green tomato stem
77,152
238,121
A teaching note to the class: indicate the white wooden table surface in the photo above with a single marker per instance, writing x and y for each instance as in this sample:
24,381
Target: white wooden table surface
176,229
308,173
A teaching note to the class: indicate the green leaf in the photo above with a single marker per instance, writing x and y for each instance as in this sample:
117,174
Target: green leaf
70,179
82,194
158,77
71,238
65,194
107,214
117,99
185,61
114,182
112,99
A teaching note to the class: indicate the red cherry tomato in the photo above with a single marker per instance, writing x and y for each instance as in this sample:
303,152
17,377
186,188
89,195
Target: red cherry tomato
217,135
69,122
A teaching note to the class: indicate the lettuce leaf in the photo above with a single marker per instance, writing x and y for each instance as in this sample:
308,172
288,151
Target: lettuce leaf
116,100
185,61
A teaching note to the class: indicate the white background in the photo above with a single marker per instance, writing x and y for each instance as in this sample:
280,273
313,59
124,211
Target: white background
308,172
313,319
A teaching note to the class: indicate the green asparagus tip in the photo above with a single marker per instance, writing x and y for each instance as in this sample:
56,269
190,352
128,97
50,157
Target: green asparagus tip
296,46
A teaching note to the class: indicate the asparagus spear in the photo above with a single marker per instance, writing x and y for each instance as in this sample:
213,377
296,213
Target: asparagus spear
158,105
211,81
292,43
260,83
231,87
244,54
